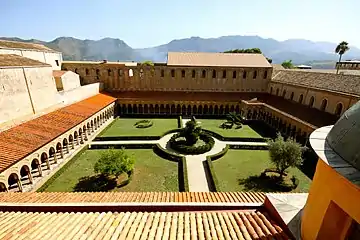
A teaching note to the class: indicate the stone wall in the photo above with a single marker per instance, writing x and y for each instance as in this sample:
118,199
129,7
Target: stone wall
305,95
14,96
78,94
70,80
52,58
117,77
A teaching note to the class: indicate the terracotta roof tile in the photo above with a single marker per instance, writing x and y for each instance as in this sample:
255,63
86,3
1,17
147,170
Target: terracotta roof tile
106,197
205,59
24,45
251,224
58,73
18,142
326,81
13,60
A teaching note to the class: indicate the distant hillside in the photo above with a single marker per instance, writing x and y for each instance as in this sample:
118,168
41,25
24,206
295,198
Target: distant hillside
299,50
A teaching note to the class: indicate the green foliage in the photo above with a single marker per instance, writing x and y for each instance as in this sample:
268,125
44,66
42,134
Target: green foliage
341,48
248,50
114,162
191,132
284,154
288,64
269,60
148,63
233,119
143,124
182,147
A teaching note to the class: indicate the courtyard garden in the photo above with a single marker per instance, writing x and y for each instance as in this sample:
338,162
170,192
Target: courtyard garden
139,127
151,173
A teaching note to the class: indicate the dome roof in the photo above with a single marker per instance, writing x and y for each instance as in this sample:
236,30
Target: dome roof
344,137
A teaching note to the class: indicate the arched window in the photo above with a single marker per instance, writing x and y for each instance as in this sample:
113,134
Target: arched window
214,74
284,94
193,73
131,73
271,90
234,74
265,74
292,96
323,104
224,74
339,108
87,71
277,92
244,75
97,72
203,74
301,98
141,73
172,73
109,72
255,74
311,103
162,72
183,73
120,72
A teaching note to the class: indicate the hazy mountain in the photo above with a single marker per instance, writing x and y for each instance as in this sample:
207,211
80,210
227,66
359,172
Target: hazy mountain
299,50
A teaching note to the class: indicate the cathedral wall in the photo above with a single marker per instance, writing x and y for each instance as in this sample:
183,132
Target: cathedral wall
70,80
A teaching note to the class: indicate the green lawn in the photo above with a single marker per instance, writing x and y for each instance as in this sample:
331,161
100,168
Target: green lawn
239,170
152,173
213,125
125,127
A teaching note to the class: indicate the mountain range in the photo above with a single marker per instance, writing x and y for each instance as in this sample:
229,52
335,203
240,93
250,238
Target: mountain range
300,51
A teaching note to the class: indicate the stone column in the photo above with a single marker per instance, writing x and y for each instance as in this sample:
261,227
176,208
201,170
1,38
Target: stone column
30,177
48,164
72,144
81,139
55,157
19,185
40,170
85,136
67,148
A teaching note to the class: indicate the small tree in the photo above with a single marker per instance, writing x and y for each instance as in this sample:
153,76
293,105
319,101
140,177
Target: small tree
114,162
284,154
148,63
288,64
340,49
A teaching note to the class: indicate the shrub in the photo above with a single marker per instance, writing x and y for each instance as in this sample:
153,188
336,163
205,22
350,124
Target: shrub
143,124
114,162
294,181
182,147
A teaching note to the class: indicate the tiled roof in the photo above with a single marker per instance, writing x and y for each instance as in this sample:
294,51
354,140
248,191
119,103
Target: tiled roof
140,225
13,60
58,73
103,197
202,59
17,142
24,45
327,81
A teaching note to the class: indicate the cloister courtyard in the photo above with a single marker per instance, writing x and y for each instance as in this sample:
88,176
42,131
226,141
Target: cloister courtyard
241,158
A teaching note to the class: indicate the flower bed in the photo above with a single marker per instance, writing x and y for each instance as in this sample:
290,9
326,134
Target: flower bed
143,124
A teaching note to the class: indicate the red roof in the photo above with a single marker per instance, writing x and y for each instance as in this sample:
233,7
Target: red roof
18,142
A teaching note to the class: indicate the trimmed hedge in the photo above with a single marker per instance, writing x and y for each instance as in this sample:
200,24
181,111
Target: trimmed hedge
61,170
180,125
182,169
125,138
143,124
249,147
182,148
214,183
126,146
240,139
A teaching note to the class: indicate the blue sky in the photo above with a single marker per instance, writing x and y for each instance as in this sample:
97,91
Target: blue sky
143,23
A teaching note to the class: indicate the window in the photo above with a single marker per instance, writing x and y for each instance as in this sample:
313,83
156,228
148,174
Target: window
244,75
284,94
109,72
214,74
292,96
203,75
339,108
301,98
141,73
57,62
224,74
265,74
120,72
97,72
183,73
311,103
323,105
162,73
172,73
255,74
271,90
234,74
277,92
193,73
87,71
76,71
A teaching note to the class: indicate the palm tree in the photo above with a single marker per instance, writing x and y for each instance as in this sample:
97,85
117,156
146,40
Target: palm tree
340,49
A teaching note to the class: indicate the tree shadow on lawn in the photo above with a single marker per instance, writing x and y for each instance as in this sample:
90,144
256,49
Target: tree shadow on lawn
97,183
260,183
